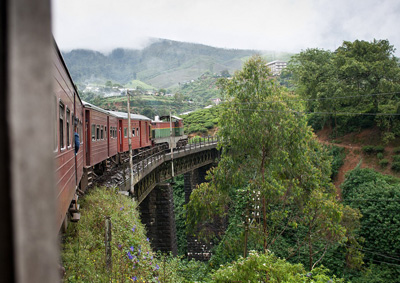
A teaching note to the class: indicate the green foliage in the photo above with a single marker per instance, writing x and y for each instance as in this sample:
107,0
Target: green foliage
338,155
396,166
180,214
270,162
370,149
396,158
396,150
265,267
383,163
359,68
379,155
201,120
83,246
377,197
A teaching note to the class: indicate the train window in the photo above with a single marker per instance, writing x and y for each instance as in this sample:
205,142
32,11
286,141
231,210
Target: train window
68,131
93,132
105,132
137,132
61,123
98,132
125,132
102,133
133,132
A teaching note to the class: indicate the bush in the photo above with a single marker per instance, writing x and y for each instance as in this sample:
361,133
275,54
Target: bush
258,267
368,149
383,163
396,150
380,155
396,166
396,158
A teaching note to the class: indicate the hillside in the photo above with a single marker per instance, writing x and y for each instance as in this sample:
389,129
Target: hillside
163,64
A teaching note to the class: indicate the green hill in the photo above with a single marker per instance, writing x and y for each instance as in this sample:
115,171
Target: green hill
163,64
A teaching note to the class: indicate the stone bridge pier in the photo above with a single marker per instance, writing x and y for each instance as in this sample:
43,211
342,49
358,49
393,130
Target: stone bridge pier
196,249
157,213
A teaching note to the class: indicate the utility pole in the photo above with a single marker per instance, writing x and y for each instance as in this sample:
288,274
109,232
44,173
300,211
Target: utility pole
171,145
130,143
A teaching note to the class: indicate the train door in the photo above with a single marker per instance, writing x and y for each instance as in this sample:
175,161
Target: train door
88,136
120,135
140,133
107,136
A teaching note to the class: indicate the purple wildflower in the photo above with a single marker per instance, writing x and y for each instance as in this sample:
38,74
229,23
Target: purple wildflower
121,208
133,229
132,248
309,274
119,246
147,240
134,278
157,267
129,255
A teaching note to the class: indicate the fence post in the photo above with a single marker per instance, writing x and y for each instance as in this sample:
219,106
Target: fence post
108,243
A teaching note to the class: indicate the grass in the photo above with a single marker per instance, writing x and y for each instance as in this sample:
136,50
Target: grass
83,245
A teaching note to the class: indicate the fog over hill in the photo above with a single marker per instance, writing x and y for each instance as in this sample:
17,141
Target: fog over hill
162,64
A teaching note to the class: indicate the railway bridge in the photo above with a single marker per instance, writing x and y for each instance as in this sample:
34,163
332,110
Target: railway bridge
155,196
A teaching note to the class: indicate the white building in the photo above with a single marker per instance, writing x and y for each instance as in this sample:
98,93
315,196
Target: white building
277,67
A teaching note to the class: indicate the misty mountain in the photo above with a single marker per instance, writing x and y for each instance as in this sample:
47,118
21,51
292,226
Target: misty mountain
163,64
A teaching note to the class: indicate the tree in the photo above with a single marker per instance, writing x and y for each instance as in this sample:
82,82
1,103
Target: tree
271,164
359,77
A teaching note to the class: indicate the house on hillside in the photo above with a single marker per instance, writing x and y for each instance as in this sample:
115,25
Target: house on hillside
277,67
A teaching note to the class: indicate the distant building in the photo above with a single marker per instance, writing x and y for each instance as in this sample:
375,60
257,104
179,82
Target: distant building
277,67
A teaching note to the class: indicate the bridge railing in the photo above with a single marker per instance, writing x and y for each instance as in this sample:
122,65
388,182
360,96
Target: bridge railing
152,156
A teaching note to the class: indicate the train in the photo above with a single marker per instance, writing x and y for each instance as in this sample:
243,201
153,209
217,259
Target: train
103,139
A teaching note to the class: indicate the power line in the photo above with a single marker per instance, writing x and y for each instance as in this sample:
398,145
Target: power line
377,200
316,99
320,113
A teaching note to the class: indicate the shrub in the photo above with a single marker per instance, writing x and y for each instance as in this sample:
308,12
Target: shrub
368,149
379,148
383,163
396,158
396,166
258,267
380,155
396,150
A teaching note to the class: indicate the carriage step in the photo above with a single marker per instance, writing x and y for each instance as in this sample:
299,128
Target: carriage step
75,217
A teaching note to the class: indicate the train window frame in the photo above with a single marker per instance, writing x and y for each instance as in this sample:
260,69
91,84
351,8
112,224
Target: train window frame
133,132
102,132
138,132
68,126
61,118
55,116
125,132
105,132
97,132
81,131
93,132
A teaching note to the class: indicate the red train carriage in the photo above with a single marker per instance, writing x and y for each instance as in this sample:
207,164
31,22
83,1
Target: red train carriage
140,126
97,137
68,111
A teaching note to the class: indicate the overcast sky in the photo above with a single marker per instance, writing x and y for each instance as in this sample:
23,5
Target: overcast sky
280,25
